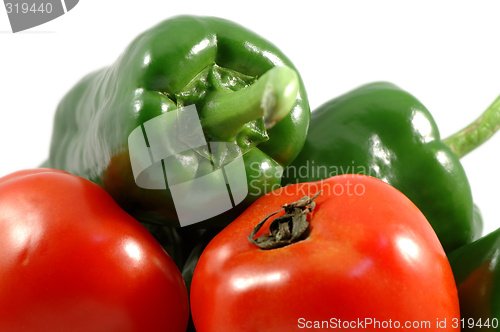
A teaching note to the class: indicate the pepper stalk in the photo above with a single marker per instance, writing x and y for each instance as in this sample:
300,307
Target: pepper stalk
271,97
476,133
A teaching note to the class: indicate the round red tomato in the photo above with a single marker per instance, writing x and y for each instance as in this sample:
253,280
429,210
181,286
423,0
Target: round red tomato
369,261
72,260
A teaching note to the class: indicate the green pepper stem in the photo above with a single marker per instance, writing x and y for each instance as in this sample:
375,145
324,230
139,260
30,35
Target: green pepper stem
478,132
271,97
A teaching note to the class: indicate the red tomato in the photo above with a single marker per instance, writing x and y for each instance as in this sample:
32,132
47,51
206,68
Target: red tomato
72,260
371,261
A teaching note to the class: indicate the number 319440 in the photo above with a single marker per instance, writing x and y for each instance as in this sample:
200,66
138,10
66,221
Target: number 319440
24,8
475,323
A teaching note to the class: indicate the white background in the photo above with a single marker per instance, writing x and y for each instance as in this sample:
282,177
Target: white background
446,53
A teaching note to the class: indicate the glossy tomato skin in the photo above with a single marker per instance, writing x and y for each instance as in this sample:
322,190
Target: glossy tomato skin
72,260
370,254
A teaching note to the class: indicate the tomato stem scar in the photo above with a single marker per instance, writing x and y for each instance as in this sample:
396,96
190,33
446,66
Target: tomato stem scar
286,229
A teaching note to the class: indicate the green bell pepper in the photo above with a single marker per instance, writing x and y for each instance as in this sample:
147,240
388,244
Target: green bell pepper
476,268
246,92
191,261
385,132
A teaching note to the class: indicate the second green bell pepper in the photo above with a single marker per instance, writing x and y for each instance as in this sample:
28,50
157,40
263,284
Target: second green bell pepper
247,93
476,268
383,131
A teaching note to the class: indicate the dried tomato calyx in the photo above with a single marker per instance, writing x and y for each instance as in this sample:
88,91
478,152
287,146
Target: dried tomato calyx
286,229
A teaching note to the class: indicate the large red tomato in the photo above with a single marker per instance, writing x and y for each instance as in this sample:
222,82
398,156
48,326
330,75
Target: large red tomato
72,260
368,261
